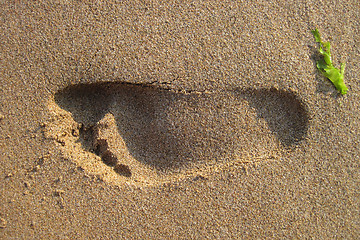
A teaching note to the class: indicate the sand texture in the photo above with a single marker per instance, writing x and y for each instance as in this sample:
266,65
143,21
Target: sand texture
178,120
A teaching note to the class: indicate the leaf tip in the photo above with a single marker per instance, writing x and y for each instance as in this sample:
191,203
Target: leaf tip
316,34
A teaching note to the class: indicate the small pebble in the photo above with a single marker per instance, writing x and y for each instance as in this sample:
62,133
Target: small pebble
32,224
9,175
3,223
58,192
27,184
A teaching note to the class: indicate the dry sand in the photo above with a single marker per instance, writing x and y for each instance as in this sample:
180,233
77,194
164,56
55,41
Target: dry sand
160,120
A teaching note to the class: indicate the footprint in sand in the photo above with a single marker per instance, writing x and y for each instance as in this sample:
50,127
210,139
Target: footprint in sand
146,135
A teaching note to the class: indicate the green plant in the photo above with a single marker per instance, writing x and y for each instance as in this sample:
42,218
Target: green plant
326,66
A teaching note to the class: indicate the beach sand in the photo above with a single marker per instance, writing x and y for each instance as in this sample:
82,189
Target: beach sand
178,120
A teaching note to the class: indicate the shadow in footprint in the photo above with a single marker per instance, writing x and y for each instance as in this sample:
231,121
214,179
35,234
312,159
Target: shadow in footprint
88,103
166,129
284,113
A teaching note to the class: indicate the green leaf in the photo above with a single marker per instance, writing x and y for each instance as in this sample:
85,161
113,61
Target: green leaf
326,66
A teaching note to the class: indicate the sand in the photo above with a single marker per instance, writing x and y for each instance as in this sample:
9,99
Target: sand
195,120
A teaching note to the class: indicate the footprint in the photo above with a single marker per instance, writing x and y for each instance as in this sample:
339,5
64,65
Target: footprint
151,135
